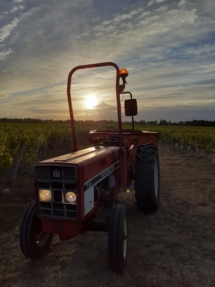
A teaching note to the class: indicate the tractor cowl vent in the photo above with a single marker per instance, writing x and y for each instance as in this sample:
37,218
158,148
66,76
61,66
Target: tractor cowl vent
42,173
59,173
69,173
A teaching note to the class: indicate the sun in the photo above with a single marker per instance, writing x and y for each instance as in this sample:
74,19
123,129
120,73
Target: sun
91,102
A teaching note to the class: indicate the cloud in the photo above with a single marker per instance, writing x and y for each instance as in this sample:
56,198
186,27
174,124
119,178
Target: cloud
3,96
14,9
6,30
155,1
46,112
178,113
166,47
5,53
200,51
102,105
126,16
144,14
208,68
181,3
162,9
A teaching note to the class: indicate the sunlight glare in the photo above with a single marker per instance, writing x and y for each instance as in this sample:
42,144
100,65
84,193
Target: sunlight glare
91,102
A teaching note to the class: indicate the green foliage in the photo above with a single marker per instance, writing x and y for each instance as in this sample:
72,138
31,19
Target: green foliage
14,135
204,135
5,161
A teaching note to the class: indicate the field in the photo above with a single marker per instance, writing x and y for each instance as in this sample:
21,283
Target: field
14,135
173,247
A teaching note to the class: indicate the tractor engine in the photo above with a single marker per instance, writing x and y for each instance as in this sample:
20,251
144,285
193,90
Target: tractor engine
67,187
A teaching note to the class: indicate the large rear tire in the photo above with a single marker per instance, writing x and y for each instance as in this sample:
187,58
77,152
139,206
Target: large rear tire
147,178
118,238
34,243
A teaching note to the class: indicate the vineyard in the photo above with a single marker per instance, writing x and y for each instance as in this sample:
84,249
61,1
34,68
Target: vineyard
14,135
173,247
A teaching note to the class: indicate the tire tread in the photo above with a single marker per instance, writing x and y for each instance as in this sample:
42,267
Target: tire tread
144,178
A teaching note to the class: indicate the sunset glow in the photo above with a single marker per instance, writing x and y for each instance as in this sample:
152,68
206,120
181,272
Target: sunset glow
167,48
91,102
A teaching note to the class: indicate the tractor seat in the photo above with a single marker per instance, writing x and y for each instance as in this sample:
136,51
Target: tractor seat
113,140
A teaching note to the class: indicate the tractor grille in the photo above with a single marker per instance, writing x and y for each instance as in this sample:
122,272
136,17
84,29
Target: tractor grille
58,180
56,173
69,174
42,172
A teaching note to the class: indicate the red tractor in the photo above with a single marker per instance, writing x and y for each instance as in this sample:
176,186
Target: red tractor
72,189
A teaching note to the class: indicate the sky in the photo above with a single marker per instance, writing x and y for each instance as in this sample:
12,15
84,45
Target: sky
168,48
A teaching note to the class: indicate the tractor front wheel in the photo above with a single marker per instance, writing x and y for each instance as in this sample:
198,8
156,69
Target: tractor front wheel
118,238
147,178
34,242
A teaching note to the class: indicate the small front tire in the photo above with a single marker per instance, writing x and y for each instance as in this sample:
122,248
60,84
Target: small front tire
118,238
34,243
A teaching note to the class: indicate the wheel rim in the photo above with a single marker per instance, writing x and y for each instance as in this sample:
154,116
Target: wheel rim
125,234
156,177
38,236
41,239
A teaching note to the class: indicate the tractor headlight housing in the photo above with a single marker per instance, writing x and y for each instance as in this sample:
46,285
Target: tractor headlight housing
70,197
45,195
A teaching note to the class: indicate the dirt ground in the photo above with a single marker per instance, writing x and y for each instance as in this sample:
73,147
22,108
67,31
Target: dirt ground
173,247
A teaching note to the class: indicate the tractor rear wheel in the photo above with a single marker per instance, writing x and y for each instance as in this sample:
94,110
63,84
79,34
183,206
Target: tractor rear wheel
33,241
147,178
118,238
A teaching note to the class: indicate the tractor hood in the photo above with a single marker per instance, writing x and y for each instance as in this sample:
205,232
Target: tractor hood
88,163
80,156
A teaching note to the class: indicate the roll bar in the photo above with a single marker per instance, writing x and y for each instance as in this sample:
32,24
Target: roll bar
118,90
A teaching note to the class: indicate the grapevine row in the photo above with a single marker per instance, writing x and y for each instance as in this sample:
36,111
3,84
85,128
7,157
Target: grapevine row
14,135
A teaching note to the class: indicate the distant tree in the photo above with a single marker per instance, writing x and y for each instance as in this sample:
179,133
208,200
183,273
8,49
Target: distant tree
163,122
142,122
152,123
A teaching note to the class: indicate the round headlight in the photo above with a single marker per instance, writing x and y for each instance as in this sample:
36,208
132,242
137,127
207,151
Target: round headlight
70,197
45,195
